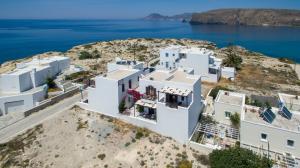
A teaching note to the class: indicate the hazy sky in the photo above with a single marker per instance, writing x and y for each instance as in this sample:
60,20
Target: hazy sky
123,9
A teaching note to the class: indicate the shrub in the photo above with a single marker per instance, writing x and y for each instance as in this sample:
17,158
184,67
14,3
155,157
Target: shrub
140,108
101,156
233,60
214,92
50,82
185,164
127,144
235,120
236,157
122,107
85,55
139,135
203,159
286,60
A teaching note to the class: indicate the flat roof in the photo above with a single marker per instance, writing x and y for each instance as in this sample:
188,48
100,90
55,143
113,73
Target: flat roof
279,121
157,75
30,91
195,50
182,77
231,98
173,76
289,98
35,63
120,74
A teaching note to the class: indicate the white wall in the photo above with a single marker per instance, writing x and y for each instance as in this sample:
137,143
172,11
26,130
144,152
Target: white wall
220,109
10,83
171,58
198,62
250,134
104,98
30,99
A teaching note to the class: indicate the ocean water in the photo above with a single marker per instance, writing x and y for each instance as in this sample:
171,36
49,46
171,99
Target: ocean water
23,38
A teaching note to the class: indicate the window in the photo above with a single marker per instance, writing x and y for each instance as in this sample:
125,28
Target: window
162,63
123,87
182,98
138,78
227,114
290,143
167,64
129,84
173,55
263,137
167,54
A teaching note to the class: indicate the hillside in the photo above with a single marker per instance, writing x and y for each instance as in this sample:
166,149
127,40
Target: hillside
180,17
255,17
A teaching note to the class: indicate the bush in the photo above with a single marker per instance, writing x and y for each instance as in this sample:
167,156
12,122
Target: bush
122,107
85,55
140,108
185,164
139,135
101,156
286,60
50,82
203,159
235,120
233,60
236,157
214,92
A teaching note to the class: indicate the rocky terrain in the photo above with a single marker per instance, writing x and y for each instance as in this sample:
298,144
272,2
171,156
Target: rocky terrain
81,139
253,17
259,74
180,17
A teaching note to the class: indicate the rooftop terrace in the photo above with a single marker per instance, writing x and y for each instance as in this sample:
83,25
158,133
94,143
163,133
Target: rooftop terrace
279,121
120,74
230,98
291,101
174,76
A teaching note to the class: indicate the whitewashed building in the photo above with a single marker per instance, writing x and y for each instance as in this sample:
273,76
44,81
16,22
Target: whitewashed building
274,133
22,88
226,104
271,132
124,64
198,61
167,102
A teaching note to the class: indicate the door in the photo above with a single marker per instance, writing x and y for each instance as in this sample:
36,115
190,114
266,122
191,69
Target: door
15,106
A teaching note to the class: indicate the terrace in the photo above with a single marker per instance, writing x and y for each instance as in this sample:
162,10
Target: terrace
174,97
215,135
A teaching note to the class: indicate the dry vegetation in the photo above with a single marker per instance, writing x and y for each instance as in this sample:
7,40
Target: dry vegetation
79,138
259,74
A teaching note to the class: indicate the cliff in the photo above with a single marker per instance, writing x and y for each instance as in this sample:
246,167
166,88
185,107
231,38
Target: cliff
180,17
255,17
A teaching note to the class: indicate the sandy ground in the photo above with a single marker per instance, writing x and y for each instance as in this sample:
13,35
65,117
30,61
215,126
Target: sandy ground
80,139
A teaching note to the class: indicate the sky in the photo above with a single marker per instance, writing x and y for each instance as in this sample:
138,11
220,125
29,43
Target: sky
123,9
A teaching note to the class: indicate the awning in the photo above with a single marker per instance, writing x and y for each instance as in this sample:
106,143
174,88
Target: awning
146,104
176,91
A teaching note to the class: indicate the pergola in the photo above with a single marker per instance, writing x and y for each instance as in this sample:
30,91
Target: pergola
218,130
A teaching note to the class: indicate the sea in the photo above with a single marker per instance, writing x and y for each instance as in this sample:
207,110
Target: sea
24,38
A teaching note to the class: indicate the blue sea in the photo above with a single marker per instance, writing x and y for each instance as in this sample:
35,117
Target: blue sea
23,38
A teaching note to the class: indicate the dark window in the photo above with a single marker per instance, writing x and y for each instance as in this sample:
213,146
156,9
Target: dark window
123,87
167,54
138,78
173,55
264,136
129,84
290,143
182,98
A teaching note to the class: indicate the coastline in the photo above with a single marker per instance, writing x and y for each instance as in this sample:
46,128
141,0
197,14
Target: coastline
260,74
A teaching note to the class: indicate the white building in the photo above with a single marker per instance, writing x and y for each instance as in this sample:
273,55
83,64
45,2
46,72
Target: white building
272,132
124,64
198,61
167,102
292,102
226,104
24,87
